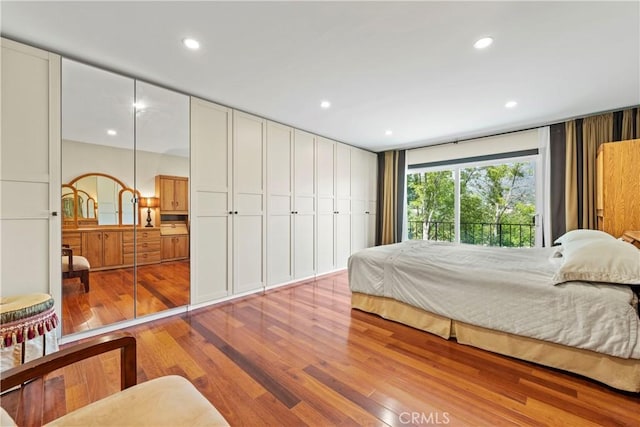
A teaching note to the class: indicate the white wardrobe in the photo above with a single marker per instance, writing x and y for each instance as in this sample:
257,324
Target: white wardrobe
30,171
272,204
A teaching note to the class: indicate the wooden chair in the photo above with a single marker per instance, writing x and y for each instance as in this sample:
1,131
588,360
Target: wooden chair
75,266
165,401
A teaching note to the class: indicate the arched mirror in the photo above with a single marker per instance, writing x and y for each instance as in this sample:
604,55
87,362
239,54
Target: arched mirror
127,212
117,202
125,158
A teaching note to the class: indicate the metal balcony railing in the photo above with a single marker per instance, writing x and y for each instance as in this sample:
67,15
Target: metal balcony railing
477,233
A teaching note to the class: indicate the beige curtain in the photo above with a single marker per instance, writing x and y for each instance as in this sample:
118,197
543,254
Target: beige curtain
627,125
391,197
571,177
595,131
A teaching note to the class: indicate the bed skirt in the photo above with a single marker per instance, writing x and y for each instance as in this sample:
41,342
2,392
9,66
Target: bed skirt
623,374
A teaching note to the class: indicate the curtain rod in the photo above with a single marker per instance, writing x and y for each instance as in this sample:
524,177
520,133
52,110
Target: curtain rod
525,129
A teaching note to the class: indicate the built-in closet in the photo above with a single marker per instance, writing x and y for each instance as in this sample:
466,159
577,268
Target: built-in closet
264,203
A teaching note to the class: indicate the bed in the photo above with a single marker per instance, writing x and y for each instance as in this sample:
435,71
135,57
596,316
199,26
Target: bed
571,306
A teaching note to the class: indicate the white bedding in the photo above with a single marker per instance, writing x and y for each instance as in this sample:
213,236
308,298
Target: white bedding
505,289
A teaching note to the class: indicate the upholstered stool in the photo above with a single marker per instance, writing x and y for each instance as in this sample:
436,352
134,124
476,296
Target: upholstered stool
75,266
27,328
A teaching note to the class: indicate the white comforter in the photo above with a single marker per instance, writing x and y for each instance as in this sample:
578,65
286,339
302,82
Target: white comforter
504,289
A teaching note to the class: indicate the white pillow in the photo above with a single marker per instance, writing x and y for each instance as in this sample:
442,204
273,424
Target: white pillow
582,234
599,260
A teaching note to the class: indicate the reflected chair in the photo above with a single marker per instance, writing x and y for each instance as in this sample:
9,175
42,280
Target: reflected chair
75,266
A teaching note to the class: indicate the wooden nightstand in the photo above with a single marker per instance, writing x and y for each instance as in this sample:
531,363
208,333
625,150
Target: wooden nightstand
632,237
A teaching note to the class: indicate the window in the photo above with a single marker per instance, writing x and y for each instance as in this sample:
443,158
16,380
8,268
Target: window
491,203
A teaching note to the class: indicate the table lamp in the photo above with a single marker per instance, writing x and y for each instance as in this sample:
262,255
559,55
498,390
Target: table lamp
149,202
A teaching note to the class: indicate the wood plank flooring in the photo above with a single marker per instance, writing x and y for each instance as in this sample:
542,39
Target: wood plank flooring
300,356
112,296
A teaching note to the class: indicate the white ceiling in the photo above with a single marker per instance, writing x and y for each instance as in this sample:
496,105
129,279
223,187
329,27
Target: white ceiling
405,66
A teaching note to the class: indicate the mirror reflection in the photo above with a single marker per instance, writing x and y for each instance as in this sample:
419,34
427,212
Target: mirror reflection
123,142
162,171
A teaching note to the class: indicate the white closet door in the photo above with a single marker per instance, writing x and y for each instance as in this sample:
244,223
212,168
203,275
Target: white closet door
211,191
359,174
359,225
359,199
343,205
249,176
280,203
305,204
326,205
30,171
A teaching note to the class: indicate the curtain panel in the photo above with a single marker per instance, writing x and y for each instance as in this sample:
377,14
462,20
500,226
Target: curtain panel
583,137
391,183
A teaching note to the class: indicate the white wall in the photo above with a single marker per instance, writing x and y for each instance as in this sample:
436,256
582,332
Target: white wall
79,158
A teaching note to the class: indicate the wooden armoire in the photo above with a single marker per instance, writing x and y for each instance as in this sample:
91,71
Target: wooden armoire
618,187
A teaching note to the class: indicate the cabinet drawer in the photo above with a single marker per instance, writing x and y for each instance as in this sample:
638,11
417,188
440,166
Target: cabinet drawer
143,258
74,240
152,246
127,236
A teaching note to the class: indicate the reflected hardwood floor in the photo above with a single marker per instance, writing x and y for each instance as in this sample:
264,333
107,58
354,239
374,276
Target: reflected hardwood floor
111,297
299,355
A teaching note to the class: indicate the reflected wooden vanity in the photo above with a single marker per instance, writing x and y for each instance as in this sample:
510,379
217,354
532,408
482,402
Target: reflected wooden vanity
103,223
114,247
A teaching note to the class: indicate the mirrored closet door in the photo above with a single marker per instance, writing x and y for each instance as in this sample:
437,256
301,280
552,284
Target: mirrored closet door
162,177
125,156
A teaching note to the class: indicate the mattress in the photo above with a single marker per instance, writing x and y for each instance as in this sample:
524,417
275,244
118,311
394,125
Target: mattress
502,289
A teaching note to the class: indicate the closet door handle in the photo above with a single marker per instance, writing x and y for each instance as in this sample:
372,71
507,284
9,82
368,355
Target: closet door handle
230,212
235,212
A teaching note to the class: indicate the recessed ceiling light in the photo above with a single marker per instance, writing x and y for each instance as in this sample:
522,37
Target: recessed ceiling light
483,43
388,132
192,44
510,104
111,132
325,104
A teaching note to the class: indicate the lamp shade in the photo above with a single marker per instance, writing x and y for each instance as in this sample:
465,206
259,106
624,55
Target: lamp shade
149,202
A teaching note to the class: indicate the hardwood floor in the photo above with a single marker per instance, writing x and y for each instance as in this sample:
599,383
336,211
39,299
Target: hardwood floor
300,356
111,297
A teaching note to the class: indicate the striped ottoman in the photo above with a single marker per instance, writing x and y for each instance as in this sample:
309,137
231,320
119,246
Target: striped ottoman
27,328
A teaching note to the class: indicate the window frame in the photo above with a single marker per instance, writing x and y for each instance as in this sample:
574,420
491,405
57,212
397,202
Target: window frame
535,156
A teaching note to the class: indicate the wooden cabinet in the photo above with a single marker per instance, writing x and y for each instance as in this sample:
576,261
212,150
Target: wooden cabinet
111,248
173,192
632,237
618,187
174,247
144,248
73,239
103,249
